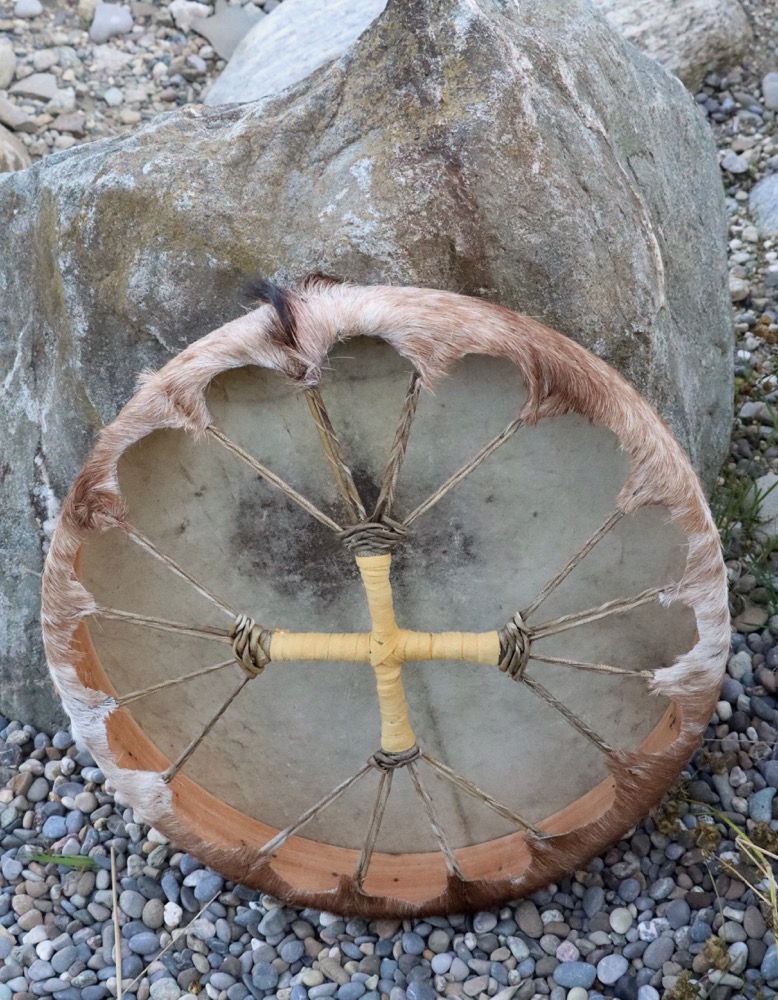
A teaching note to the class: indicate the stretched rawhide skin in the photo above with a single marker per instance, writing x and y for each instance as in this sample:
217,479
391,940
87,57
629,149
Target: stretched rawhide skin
512,672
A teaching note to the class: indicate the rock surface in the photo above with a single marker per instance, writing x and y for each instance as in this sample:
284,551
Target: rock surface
688,37
532,158
13,155
228,26
7,63
289,44
763,204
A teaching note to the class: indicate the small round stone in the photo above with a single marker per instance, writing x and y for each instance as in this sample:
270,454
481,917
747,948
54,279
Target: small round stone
144,943
351,991
629,890
769,967
611,968
86,802
578,993
620,920
61,740
569,974
131,903
165,989
153,915
484,922
292,951
208,887
438,941
28,8
264,976
11,869
661,889
441,963
38,790
678,914
274,922
528,919
567,952
658,952
412,943
594,900
54,828
420,991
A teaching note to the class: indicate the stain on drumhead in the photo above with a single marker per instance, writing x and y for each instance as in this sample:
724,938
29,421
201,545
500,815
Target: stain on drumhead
301,556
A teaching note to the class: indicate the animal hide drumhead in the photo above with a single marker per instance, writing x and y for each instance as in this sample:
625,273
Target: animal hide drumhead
512,670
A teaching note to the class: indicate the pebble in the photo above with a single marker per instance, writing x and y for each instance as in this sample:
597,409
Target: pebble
441,963
484,922
412,944
54,828
734,163
40,86
611,968
144,943
264,976
594,900
208,887
621,920
420,991
528,919
110,19
770,91
769,966
28,8
760,805
661,889
678,913
7,63
570,974
132,903
113,97
351,991
658,952
165,989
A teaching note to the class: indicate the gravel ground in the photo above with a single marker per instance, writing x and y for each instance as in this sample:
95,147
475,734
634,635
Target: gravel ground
667,912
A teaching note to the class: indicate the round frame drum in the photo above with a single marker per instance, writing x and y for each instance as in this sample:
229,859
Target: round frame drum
387,600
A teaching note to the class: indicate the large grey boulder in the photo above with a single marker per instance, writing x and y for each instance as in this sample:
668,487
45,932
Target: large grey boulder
688,37
525,154
295,39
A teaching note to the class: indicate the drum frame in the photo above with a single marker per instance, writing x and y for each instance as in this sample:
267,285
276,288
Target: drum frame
292,334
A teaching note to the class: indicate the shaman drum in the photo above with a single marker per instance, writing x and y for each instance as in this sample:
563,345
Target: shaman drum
378,640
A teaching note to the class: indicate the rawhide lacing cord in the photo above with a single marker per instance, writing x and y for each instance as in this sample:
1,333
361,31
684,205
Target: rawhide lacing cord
515,641
386,761
385,500
250,644
370,538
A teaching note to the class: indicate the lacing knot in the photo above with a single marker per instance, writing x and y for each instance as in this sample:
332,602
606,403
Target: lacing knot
373,537
250,644
515,640
386,761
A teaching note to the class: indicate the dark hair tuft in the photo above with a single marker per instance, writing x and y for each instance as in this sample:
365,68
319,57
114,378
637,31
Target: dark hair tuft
284,330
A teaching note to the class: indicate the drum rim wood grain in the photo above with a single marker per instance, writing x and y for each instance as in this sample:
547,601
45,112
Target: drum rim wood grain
292,334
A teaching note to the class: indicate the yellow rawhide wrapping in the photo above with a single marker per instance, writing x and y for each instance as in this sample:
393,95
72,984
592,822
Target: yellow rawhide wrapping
476,647
353,647
386,647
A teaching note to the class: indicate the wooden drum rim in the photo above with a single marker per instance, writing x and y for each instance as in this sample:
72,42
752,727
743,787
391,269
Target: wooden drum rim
433,330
